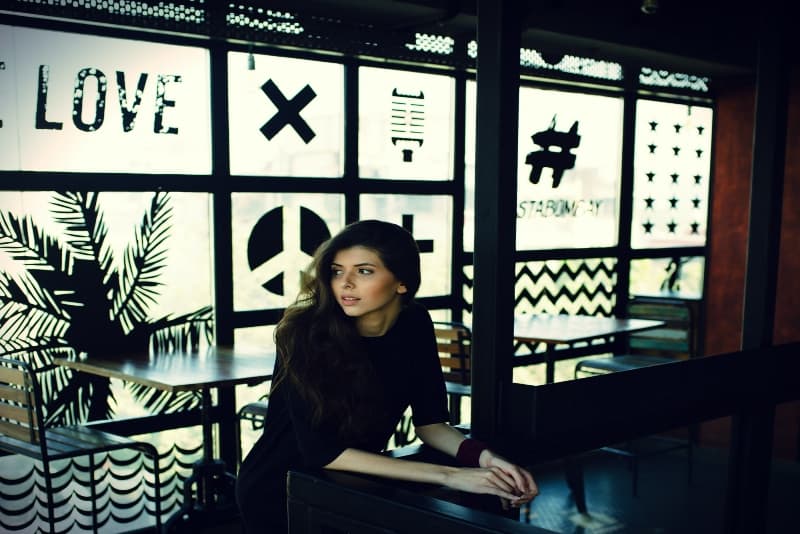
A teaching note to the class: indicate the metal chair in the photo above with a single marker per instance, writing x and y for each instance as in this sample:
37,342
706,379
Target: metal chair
255,412
22,431
454,342
676,340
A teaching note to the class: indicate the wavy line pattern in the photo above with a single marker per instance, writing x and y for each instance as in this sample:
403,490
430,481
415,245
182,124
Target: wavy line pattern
123,490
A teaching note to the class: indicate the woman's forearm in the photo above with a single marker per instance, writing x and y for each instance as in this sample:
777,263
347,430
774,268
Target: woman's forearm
369,463
504,482
441,436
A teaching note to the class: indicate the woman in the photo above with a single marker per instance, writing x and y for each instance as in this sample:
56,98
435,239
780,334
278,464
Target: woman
355,351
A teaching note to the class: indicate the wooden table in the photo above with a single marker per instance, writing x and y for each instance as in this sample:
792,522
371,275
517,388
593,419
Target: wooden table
213,368
568,329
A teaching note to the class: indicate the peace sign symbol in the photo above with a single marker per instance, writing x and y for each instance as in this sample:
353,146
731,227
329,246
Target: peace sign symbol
281,245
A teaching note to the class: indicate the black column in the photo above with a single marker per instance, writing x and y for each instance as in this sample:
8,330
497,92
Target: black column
223,260
495,221
752,430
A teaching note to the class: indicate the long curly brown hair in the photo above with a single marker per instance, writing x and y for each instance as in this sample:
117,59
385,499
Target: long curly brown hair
321,350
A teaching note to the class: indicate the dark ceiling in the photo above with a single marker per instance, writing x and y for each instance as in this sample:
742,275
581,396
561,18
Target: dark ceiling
697,37
709,37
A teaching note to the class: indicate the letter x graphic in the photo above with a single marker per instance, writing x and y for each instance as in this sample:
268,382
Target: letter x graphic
288,111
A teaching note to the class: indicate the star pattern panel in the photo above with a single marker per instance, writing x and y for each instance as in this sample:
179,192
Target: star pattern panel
672,170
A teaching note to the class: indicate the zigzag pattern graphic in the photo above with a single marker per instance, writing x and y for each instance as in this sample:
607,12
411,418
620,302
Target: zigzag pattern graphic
124,491
574,287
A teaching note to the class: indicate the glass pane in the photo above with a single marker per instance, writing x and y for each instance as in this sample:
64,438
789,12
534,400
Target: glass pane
680,277
429,218
572,287
469,166
98,104
9,139
581,208
274,238
568,181
672,167
179,274
405,125
286,116
254,339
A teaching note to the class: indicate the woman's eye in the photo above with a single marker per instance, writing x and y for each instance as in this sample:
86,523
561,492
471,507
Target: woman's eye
365,271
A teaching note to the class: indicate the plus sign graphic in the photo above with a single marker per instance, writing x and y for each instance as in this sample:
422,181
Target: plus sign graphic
275,253
425,245
288,111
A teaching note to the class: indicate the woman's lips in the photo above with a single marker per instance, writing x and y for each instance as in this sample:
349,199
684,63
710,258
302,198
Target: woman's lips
349,301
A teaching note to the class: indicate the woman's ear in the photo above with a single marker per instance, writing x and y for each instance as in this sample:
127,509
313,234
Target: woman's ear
401,289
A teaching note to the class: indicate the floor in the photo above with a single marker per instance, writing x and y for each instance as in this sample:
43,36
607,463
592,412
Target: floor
666,502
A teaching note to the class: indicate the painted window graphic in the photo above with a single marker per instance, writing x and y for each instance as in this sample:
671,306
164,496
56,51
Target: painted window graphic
288,112
429,219
286,116
88,273
679,276
405,124
568,171
672,168
557,160
98,104
408,121
274,238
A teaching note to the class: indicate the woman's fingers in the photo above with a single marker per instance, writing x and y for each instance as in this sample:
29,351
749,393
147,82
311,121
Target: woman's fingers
493,480
522,479
504,478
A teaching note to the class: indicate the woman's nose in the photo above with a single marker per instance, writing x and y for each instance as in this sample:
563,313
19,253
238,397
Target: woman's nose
347,280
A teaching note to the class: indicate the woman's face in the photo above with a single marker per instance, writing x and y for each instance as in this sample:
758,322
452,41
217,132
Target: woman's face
365,289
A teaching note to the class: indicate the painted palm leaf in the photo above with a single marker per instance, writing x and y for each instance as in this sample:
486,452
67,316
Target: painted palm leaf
66,295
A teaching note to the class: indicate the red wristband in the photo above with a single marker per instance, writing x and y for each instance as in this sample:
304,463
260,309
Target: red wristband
469,452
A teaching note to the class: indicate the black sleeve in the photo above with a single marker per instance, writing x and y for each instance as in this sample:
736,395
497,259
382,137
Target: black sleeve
429,396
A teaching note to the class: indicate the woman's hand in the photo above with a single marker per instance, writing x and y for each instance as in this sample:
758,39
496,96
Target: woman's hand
496,476
524,487
488,480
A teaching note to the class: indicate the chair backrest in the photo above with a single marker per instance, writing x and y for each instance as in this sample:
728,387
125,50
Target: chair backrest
454,341
21,421
677,338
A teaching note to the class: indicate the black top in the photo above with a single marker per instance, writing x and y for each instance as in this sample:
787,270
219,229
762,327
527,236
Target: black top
407,366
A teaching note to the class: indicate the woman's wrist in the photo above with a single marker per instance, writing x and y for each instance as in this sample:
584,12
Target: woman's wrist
485,458
470,451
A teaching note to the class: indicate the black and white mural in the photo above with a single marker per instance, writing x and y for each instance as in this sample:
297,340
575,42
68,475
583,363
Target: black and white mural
568,171
429,219
274,237
286,116
96,104
405,124
672,171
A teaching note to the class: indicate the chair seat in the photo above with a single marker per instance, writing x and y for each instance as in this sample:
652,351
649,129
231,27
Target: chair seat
623,362
462,390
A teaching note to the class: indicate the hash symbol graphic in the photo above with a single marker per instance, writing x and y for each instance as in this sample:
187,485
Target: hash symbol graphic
558,161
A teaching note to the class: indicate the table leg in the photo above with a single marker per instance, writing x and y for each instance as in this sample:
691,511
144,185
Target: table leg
216,499
574,475
549,361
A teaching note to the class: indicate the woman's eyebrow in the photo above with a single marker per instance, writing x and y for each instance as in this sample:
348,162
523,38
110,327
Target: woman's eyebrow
362,264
